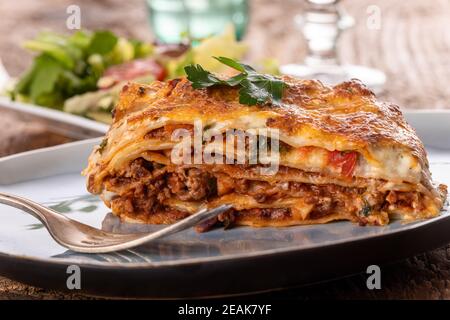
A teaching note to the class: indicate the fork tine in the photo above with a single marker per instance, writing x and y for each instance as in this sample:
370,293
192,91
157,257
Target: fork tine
181,225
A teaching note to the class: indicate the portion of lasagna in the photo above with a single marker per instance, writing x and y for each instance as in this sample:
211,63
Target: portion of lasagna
342,155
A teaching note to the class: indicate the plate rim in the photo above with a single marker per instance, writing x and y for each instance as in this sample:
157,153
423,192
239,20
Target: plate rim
53,114
49,149
413,226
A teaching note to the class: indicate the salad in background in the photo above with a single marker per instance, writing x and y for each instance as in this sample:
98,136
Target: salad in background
83,73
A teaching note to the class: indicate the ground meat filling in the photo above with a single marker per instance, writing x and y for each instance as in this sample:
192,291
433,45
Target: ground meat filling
191,184
144,186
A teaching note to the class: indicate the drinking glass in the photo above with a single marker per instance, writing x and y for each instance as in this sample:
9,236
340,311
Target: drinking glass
322,24
173,20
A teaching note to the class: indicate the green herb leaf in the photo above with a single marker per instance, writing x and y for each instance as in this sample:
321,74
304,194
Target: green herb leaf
45,76
236,80
254,89
231,63
236,65
201,78
102,42
366,209
53,50
102,145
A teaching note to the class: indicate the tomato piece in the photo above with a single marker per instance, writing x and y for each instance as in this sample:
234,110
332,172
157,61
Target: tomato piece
305,150
346,161
135,69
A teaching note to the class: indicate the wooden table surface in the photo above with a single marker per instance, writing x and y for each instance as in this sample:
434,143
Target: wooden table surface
412,47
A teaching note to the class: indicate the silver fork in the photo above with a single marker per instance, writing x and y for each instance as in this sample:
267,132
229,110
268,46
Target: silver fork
80,237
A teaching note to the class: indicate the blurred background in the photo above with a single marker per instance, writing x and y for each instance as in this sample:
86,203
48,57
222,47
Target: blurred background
411,45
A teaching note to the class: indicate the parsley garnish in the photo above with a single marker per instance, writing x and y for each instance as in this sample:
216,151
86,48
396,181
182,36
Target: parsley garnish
366,209
102,145
255,88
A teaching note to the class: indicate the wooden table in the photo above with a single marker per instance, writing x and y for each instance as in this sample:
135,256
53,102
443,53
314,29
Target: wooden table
412,47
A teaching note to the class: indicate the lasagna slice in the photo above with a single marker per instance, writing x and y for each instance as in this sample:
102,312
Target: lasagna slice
341,155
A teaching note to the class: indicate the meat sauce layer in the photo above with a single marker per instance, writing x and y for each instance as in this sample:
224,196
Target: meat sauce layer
141,191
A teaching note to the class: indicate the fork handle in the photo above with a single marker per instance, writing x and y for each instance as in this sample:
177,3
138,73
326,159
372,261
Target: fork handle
22,204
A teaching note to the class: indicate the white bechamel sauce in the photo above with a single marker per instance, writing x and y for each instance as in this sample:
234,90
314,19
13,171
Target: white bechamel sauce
108,195
392,164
